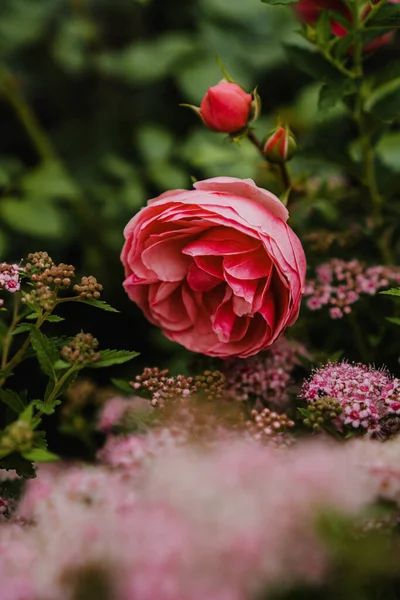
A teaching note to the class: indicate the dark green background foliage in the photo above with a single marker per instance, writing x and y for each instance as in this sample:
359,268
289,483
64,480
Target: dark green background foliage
91,127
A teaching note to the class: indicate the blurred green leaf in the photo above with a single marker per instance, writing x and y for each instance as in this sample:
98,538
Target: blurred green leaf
388,15
12,400
148,61
35,218
49,181
384,101
155,143
40,455
333,92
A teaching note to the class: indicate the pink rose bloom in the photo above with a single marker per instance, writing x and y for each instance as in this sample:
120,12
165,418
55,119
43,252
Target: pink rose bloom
217,267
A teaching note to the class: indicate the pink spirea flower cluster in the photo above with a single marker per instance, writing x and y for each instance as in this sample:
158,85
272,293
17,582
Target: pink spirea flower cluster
366,394
264,377
339,284
220,523
9,278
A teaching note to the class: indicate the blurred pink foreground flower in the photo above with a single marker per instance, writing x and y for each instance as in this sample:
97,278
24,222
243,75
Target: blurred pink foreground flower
223,523
217,267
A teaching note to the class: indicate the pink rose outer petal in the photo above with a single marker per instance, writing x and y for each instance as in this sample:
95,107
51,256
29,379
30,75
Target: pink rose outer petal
247,189
216,268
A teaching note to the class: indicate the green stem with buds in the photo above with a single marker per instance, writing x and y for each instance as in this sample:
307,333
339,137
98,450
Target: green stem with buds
281,166
19,355
16,317
56,390
368,158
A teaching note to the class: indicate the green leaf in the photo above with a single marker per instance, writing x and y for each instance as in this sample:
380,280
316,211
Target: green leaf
149,60
123,385
32,316
45,408
387,16
113,357
23,467
384,101
276,2
61,365
27,413
45,350
391,292
100,304
310,62
70,379
33,217
303,411
323,27
12,400
23,327
50,180
54,319
40,455
395,320
333,92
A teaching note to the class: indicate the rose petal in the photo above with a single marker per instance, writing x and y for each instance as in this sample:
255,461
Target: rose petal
201,281
166,260
220,241
248,265
245,188
211,265
245,288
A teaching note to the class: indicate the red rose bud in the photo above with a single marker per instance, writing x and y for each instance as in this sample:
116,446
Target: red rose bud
226,107
280,145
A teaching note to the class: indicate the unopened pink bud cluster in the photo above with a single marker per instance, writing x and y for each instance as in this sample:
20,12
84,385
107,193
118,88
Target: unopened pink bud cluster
365,394
264,377
339,284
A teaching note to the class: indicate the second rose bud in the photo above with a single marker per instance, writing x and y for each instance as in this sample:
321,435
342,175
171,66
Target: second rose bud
280,145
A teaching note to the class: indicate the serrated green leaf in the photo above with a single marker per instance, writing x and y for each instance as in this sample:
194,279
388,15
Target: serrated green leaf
32,316
40,455
54,319
113,357
45,350
22,328
47,409
12,400
391,292
100,304
123,385
23,467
